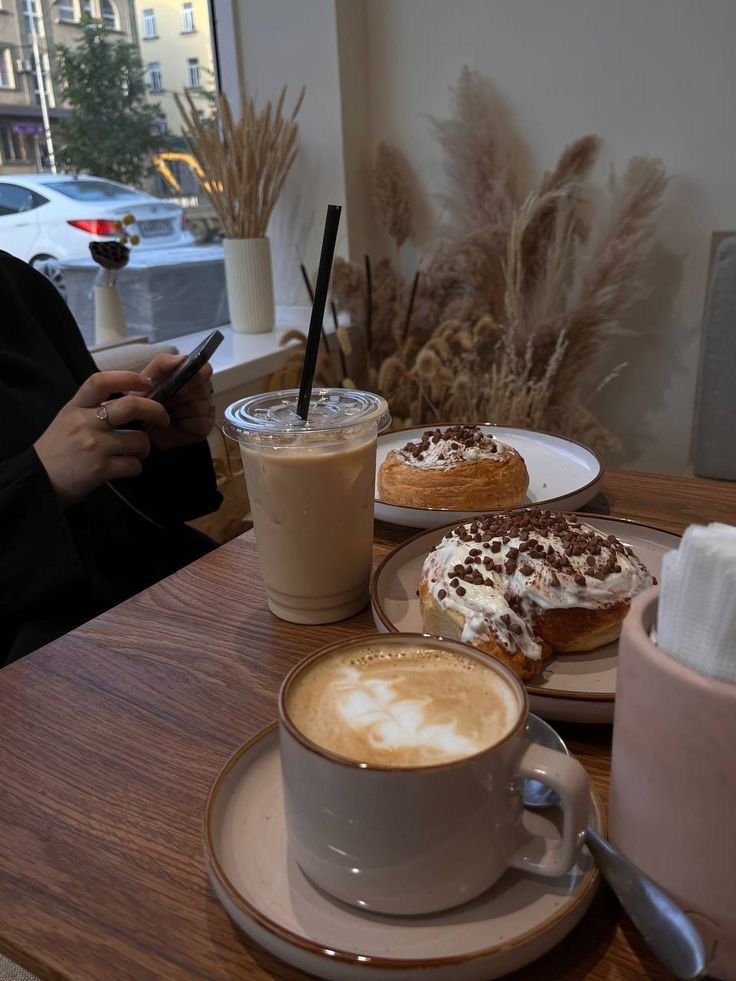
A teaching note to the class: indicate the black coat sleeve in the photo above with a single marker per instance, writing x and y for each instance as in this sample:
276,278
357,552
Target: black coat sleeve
39,557
175,486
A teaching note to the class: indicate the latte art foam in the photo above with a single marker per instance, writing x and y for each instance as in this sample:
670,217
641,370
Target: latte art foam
394,707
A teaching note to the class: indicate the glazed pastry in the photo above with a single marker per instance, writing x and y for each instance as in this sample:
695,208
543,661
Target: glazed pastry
522,585
460,468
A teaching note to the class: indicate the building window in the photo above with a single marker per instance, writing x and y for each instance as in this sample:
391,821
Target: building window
31,17
187,18
155,81
86,8
66,11
110,18
7,81
159,127
193,81
12,147
149,23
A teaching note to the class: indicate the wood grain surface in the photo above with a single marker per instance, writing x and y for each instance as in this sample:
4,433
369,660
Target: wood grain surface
113,734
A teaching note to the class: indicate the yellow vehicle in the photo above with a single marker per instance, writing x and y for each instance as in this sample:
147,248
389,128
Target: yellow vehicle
180,179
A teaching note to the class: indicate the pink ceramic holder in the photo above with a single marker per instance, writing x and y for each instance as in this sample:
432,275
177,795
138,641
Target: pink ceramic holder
673,782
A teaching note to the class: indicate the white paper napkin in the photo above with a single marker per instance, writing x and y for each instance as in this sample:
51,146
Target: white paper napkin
696,621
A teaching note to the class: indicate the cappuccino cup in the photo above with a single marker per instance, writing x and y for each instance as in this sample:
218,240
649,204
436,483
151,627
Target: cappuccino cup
403,760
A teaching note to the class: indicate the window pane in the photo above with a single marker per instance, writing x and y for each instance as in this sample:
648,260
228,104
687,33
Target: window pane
193,81
187,18
149,22
155,79
109,15
31,17
14,199
93,191
66,10
6,69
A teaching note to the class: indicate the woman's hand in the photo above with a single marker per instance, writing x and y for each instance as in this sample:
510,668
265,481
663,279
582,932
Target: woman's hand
82,449
191,410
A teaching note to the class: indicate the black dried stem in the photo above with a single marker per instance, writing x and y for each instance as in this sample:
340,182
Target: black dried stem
368,305
410,308
341,353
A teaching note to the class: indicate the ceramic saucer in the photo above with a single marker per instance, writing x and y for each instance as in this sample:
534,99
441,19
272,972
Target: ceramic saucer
563,474
571,687
269,898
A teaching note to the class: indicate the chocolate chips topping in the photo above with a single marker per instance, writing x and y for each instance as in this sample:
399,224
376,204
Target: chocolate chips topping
457,438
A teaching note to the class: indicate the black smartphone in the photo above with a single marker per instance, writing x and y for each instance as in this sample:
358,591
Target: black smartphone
168,388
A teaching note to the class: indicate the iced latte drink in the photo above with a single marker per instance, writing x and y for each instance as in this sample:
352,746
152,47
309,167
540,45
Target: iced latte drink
311,490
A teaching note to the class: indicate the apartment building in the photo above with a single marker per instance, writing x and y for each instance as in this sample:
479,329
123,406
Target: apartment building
22,143
176,46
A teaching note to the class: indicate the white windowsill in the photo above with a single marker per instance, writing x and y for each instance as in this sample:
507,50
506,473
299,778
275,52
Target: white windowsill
244,358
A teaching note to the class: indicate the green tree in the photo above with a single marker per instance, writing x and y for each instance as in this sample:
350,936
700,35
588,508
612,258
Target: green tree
110,132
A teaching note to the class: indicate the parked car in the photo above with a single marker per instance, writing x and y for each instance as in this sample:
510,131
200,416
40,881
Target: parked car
56,216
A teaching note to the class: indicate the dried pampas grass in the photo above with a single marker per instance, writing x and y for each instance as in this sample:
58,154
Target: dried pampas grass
508,320
246,160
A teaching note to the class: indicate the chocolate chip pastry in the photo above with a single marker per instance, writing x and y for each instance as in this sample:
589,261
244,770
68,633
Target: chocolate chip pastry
461,468
522,585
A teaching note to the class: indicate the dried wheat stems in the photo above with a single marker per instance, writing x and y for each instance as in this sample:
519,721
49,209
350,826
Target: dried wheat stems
508,319
246,160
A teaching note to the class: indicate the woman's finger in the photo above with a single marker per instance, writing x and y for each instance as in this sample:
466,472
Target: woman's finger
130,443
100,386
135,408
162,366
123,466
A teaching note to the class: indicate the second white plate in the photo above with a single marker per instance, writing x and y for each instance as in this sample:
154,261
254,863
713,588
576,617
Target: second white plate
563,475
570,687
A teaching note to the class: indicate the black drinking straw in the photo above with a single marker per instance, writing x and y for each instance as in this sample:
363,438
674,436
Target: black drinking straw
329,237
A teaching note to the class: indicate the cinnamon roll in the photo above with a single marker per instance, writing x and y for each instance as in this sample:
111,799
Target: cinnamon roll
460,468
522,585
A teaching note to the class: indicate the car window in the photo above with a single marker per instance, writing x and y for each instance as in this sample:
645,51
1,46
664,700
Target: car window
95,191
15,199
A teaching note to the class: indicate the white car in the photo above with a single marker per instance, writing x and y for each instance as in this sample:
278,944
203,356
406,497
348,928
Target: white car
56,216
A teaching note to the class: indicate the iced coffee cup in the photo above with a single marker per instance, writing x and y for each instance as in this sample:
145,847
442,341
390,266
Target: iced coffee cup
311,489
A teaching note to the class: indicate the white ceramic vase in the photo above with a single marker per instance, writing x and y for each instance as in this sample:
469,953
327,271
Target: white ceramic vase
249,285
109,316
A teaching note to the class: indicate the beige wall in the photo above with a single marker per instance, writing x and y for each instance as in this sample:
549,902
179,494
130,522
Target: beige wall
171,49
655,77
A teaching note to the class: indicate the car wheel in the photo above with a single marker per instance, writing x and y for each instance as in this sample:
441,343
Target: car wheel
48,266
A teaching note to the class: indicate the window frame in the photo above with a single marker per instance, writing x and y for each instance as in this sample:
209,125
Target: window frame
6,62
193,70
149,18
32,9
153,70
187,18
114,13
70,6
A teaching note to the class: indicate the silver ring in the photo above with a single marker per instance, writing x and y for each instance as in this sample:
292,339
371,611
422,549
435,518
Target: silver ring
103,415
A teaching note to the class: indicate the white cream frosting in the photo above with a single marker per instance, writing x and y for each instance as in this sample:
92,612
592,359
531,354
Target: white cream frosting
449,451
484,606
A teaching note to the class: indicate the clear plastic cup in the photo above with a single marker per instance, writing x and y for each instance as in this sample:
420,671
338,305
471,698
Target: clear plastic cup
311,490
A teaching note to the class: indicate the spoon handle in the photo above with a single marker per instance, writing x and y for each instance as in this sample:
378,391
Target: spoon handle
664,926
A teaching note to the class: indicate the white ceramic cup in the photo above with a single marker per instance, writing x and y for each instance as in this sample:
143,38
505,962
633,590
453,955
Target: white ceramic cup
408,840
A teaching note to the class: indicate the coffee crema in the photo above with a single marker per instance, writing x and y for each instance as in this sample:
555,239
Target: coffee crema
402,707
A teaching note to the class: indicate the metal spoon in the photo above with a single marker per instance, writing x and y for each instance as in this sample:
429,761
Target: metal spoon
664,926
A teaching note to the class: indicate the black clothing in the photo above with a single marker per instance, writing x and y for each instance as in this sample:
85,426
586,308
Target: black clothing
60,567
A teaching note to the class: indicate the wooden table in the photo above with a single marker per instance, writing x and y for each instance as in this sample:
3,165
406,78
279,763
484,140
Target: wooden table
112,735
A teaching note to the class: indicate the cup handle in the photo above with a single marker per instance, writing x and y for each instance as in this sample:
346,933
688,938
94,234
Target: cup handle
565,775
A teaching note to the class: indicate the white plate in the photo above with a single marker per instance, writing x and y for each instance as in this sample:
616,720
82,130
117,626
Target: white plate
563,475
265,893
571,687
